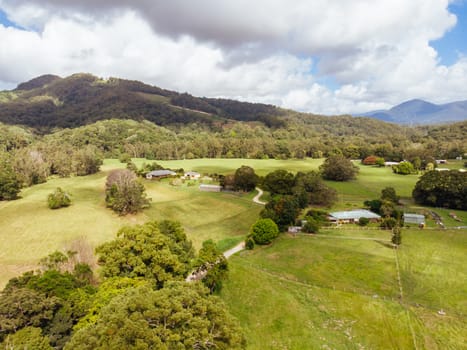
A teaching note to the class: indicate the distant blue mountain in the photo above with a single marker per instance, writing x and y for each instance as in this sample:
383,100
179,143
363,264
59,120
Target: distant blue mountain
421,112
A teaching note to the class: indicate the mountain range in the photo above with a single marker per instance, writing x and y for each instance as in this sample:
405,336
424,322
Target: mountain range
416,112
49,102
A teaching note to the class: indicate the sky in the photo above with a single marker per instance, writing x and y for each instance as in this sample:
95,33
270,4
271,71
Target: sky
318,56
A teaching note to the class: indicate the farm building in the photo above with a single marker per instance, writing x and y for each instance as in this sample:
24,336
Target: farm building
192,175
160,174
210,188
352,216
414,219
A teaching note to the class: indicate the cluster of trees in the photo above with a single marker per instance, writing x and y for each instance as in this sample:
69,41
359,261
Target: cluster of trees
34,164
141,302
442,189
291,193
244,179
387,207
10,185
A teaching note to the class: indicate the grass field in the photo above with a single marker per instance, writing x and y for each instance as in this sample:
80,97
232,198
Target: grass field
228,166
332,291
29,230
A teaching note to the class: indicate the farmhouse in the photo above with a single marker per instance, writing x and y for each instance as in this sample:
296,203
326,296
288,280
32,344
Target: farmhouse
352,216
192,175
414,219
210,188
160,174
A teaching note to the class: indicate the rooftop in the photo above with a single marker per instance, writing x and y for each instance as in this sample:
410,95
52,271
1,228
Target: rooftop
354,214
163,172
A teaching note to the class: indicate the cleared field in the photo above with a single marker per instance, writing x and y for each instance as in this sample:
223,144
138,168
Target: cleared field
29,230
369,183
228,166
333,291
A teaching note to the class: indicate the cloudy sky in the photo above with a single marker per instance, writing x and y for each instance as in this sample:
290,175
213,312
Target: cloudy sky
321,56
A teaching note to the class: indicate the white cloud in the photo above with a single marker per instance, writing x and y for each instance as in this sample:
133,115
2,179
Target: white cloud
376,51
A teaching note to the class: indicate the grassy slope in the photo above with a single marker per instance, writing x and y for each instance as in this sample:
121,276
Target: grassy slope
29,230
327,293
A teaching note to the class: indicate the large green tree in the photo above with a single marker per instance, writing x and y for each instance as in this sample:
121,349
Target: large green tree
338,168
442,189
144,251
279,182
245,179
124,193
178,316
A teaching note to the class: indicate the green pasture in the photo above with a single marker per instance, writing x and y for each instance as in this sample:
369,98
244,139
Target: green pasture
368,185
228,166
337,291
29,230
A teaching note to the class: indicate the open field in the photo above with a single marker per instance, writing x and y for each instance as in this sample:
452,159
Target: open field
326,292
29,230
228,166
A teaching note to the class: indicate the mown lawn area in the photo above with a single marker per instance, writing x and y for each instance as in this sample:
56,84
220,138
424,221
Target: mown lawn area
333,291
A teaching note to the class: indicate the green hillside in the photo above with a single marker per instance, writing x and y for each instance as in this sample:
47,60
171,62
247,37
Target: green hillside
341,292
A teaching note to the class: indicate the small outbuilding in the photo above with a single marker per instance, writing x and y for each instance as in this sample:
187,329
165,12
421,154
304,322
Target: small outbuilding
352,216
160,174
210,188
192,175
417,219
391,163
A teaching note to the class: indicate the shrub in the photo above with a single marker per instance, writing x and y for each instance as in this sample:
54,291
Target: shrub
264,231
373,160
311,225
58,199
363,221
404,168
249,243
388,223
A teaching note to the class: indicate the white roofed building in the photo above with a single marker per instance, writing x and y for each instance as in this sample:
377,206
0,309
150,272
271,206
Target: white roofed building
352,216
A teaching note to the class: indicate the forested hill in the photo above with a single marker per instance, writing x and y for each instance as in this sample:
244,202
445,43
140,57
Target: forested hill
49,101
